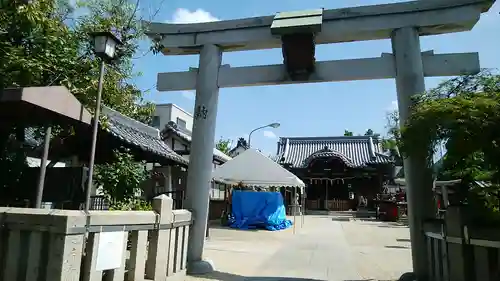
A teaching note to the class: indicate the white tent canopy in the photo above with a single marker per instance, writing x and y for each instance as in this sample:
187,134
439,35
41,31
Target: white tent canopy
252,168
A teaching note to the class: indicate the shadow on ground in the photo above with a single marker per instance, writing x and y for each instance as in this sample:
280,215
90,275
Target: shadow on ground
397,247
341,219
393,225
403,240
224,276
218,226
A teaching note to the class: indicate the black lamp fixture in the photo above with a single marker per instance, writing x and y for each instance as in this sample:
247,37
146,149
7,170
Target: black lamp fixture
105,43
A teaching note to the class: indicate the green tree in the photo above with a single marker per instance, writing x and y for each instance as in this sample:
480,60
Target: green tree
348,133
224,145
370,133
390,143
122,180
464,113
38,47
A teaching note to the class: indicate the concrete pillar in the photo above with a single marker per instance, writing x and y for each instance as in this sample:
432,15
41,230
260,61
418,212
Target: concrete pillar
409,82
157,261
169,183
200,164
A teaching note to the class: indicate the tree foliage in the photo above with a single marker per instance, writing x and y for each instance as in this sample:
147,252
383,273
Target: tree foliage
464,113
37,48
348,133
390,144
45,43
224,145
122,181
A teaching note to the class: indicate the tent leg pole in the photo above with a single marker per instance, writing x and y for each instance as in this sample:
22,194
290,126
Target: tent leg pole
303,206
294,208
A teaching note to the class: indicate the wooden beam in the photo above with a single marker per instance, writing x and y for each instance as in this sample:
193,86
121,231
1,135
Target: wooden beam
339,25
326,71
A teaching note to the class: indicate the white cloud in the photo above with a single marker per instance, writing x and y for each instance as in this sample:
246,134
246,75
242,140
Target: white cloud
188,95
269,134
182,15
393,106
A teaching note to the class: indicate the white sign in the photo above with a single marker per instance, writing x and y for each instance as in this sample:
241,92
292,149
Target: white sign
110,250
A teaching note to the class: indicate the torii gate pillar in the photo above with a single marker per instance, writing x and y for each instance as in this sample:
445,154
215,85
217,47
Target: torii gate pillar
410,82
202,146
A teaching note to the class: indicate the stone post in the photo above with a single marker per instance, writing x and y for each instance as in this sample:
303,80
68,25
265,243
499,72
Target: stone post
41,244
410,82
200,164
157,262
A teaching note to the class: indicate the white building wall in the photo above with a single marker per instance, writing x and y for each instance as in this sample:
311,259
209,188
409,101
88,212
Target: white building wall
161,116
179,113
171,112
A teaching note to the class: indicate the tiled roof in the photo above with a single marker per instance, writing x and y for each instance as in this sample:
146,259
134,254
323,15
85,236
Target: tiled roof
139,134
242,142
354,151
185,135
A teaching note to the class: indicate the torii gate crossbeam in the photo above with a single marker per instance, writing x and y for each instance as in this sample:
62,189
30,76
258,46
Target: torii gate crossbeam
326,71
402,23
363,23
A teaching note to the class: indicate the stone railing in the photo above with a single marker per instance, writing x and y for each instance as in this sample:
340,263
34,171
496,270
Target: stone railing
459,252
52,245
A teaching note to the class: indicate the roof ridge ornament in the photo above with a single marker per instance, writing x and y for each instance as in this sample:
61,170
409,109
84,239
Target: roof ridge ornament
326,149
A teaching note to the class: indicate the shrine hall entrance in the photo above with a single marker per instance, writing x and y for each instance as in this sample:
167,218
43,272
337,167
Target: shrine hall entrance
341,173
341,194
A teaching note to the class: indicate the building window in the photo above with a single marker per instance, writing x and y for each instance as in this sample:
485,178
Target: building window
155,122
217,191
181,123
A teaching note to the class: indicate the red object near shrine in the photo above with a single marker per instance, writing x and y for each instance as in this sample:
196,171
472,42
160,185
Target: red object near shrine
388,211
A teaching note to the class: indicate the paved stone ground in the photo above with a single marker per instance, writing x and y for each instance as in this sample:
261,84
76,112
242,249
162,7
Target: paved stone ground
322,249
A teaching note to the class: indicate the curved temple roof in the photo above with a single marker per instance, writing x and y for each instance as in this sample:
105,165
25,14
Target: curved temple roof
354,151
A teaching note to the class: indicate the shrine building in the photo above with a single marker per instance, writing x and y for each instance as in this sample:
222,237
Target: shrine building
336,170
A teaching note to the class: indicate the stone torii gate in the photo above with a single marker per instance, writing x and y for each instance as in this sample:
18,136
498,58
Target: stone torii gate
297,33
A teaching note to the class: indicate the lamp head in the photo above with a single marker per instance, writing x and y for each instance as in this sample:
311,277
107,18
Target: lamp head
274,125
105,44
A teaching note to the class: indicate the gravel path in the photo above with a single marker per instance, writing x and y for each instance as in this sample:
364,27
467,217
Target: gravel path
322,249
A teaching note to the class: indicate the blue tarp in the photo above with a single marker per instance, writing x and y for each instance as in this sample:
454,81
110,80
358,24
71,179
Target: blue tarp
252,210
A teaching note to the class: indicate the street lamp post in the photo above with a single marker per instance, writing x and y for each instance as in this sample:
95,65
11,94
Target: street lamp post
105,48
272,125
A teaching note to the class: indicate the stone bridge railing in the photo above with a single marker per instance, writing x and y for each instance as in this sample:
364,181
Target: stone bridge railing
63,245
460,252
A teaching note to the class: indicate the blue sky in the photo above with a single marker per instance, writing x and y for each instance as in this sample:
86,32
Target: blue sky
323,109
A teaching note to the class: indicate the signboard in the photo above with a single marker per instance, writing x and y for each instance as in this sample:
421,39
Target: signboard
110,250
